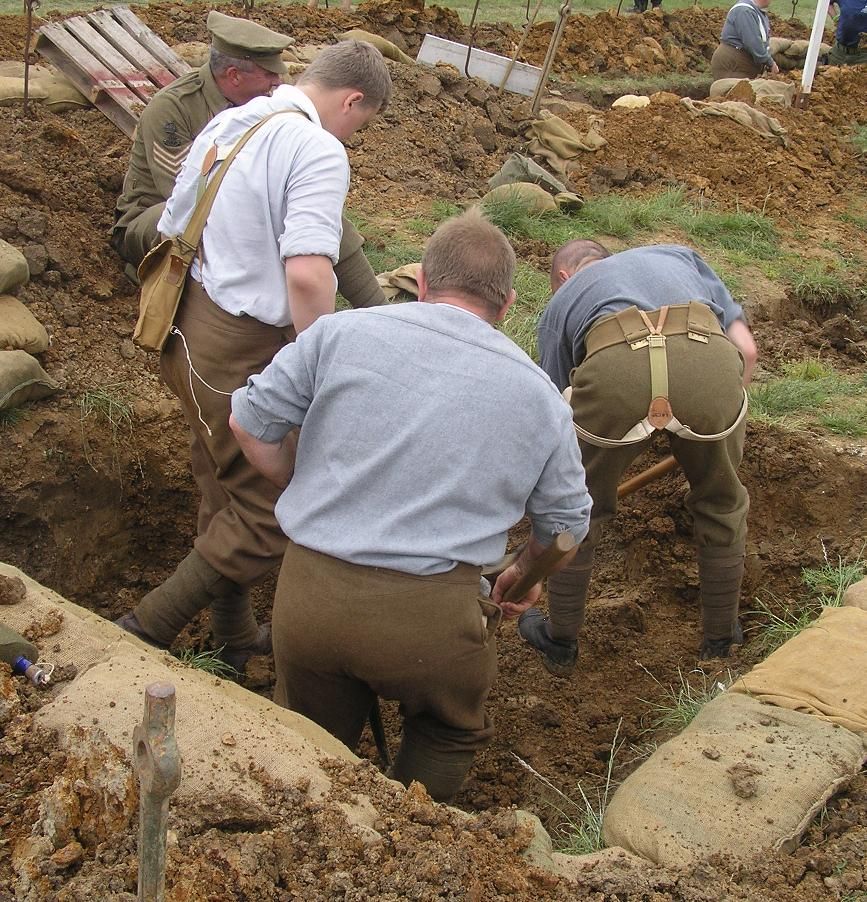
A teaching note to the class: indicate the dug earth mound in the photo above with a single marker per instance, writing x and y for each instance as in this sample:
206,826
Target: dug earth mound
100,508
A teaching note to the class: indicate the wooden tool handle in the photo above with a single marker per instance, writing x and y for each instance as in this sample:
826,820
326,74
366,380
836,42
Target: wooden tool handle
542,566
627,487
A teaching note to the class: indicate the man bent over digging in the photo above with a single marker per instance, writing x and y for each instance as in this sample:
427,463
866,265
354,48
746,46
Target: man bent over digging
649,339
426,435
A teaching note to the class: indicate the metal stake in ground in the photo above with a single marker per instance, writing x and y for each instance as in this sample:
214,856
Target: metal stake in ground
29,6
158,765
559,28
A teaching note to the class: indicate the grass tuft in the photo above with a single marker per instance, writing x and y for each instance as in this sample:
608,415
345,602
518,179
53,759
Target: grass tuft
107,403
818,284
11,416
579,827
826,586
830,581
680,703
782,622
207,661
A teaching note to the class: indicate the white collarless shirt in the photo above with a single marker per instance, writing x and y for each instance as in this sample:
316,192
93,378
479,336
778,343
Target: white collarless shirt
282,197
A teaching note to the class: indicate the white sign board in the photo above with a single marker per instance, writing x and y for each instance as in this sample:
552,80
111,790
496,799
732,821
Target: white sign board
488,66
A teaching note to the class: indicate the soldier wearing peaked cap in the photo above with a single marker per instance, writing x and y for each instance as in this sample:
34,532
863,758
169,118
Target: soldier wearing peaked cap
245,62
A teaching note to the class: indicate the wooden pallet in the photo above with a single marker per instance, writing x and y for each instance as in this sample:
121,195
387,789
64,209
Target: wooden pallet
113,58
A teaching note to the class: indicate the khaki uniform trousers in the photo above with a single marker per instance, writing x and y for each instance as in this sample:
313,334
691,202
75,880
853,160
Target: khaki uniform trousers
729,62
344,634
134,240
611,393
238,534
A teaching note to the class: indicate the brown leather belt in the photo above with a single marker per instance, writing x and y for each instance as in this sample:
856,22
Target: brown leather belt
640,329
694,319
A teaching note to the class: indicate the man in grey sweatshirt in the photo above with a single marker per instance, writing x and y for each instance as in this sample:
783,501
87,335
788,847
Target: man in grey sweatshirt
649,339
744,50
426,435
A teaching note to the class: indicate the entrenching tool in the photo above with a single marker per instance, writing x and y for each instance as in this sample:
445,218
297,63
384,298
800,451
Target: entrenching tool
627,487
651,474
542,566
158,765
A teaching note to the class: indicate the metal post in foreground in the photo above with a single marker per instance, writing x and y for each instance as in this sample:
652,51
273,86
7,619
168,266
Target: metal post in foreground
158,765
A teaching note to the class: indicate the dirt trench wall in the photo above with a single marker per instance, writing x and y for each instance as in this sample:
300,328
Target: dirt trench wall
310,813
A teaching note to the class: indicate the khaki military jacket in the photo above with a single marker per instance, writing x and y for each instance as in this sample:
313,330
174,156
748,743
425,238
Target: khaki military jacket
166,129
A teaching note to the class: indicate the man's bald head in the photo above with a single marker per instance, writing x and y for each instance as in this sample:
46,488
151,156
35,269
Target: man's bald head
575,255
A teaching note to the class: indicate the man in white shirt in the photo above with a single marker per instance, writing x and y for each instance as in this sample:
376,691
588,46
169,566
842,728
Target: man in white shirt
263,274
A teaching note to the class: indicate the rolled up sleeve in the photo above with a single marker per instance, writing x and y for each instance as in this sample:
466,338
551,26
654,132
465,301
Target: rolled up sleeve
277,399
315,194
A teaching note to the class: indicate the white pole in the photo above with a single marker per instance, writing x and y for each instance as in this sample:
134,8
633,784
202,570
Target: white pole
813,50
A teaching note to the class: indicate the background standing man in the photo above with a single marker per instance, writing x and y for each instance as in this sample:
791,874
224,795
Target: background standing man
263,274
851,24
744,50
245,62
595,337
427,435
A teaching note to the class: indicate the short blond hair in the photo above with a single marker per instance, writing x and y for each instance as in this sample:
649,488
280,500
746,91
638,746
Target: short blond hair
472,256
351,64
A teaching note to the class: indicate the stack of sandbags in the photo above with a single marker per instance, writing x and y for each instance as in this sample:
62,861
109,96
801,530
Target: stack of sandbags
760,760
48,87
790,54
21,335
755,90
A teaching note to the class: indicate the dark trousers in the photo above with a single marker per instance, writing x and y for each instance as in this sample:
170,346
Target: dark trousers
344,634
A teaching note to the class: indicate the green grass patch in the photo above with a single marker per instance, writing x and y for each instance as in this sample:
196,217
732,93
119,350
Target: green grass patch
440,211
577,819
533,289
11,416
819,284
751,234
208,662
680,702
851,423
859,138
810,392
825,585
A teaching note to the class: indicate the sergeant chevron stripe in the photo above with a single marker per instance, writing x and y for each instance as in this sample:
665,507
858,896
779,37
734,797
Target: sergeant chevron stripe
170,162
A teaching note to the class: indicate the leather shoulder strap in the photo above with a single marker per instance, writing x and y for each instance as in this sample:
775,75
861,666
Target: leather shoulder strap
193,232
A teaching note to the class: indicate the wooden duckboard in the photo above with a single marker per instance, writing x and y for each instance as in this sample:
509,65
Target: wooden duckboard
113,58
488,66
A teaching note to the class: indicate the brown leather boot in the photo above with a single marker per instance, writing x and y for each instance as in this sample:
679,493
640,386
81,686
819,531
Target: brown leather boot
720,574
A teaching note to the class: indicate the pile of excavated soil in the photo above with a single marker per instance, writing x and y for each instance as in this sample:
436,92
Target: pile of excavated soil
662,145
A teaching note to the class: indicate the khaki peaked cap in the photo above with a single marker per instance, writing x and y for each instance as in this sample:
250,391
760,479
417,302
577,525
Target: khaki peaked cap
243,39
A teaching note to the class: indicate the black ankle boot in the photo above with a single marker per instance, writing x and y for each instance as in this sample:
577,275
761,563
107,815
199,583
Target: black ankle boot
559,657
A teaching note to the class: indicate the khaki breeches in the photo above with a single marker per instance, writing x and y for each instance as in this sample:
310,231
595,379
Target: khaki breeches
238,534
344,634
728,62
611,393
